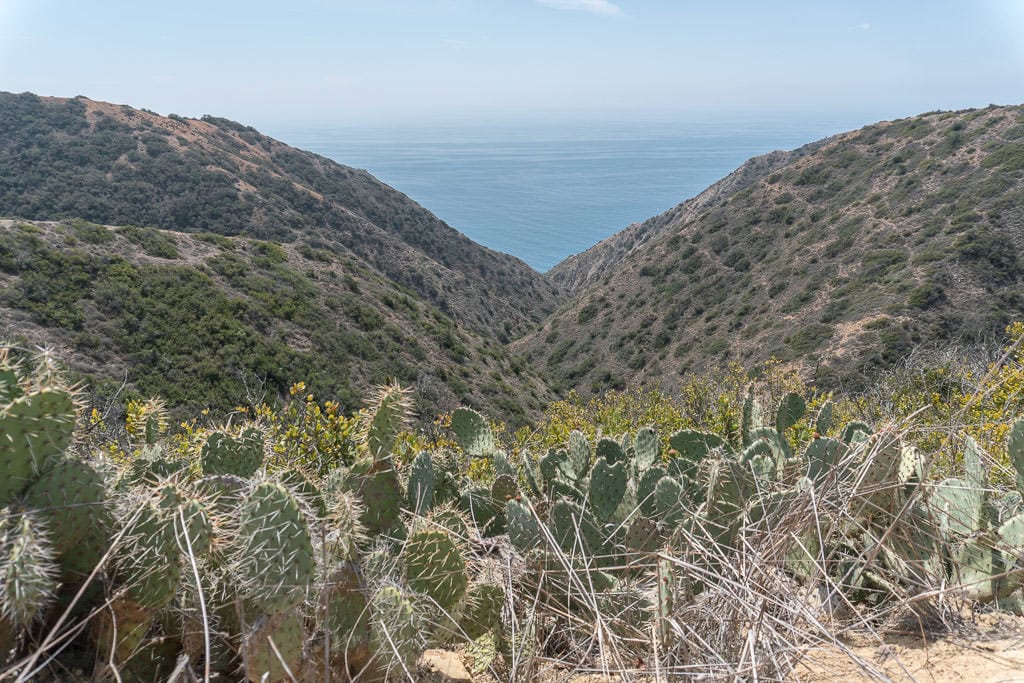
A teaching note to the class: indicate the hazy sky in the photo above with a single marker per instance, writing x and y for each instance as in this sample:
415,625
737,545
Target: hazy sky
356,61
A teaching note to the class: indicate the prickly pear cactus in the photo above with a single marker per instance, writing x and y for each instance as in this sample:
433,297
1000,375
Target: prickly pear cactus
434,566
396,635
607,486
421,483
1015,449
381,494
384,420
275,556
473,432
28,571
790,411
71,499
579,453
482,613
647,450
151,571
272,650
822,455
36,426
346,615
610,450
524,530
225,454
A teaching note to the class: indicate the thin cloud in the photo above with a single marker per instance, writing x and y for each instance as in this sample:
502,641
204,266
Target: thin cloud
594,6
860,27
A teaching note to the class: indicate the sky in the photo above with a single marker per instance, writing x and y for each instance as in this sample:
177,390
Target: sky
401,61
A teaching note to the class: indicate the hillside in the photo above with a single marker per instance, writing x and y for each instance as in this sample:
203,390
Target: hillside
111,164
207,321
838,258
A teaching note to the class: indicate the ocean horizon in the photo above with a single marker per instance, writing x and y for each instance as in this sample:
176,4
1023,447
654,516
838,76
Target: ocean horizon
542,192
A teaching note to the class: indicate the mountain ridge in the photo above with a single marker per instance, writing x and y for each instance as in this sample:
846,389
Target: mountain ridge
838,261
129,166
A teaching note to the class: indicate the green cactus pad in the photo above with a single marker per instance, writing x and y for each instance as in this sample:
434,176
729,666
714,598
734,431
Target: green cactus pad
346,616
307,487
607,486
501,465
473,432
396,635
823,423
222,493
421,483
434,566
978,569
225,454
642,536
958,507
692,447
821,456
578,451
28,571
276,557
273,648
645,490
523,529
482,614
751,418
151,572
197,527
609,449
669,500
479,505
381,494
781,450
504,488
648,452
855,432
1015,449
384,420
452,521
974,465
791,409
556,466
35,429
71,499
574,529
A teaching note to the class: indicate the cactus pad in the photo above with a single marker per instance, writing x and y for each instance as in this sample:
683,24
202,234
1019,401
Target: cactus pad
275,551
791,409
523,529
647,449
482,614
71,499
28,572
421,483
272,650
225,454
609,449
473,432
579,453
435,567
642,536
607,486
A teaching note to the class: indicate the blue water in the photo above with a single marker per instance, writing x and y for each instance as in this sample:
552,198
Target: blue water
544,191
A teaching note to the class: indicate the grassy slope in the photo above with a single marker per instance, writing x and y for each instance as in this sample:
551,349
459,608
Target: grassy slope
75,158
206,321
840,257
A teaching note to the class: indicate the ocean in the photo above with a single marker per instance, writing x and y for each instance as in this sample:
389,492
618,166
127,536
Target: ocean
542,192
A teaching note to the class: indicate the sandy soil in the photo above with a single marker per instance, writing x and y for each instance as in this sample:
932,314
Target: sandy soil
994,653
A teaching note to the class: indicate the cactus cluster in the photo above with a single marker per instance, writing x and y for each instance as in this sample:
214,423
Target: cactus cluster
255,571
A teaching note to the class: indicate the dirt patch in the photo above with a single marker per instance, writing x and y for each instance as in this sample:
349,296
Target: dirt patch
993,652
